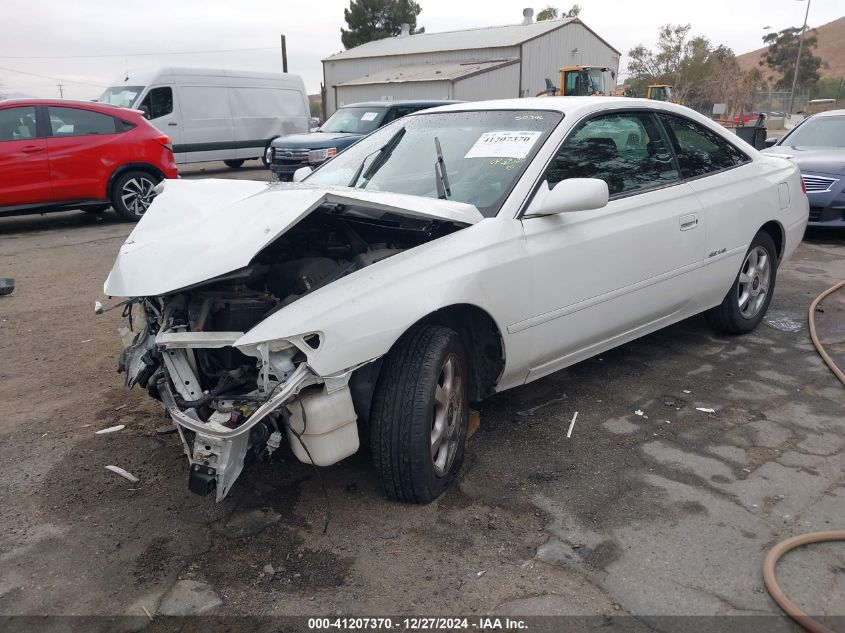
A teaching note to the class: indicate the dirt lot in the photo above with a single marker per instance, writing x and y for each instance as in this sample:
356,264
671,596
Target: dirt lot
665,513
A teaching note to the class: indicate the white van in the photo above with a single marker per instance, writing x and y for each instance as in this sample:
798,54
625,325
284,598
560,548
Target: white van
215,114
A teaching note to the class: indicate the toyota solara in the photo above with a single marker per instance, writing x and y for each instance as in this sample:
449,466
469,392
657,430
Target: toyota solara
450,255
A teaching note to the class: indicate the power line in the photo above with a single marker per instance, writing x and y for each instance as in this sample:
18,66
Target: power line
158,53
65,79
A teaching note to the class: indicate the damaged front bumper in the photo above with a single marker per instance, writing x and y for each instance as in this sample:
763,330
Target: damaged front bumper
314,413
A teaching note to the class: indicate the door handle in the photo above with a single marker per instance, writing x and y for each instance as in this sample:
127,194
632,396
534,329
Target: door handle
689,221
32,149
172,124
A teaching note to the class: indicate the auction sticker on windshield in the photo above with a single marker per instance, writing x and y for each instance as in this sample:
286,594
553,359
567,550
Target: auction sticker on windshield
506,144
369,116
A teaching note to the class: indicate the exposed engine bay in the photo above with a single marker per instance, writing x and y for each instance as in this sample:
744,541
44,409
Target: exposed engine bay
228,404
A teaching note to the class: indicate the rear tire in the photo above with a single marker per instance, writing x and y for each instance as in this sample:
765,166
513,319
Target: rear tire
234,163
132,194
420,414
746,303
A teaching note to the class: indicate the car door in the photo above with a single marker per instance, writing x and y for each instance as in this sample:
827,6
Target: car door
80,158
735,193
24,167
604,276
162,111
207,128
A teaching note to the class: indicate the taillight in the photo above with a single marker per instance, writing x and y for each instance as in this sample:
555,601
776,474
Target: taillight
164,140
803,186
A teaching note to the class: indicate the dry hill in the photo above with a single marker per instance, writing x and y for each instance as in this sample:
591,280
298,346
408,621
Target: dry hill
831,49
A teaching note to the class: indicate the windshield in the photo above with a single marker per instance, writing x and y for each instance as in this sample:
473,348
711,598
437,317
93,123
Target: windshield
484,153
121,96
821,131
354,120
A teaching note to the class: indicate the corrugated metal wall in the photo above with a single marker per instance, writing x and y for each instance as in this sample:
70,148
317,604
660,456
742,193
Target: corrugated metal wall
335,72
500,83
543,57
393,91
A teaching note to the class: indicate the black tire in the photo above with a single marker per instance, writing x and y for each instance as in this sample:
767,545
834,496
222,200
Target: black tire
132,194
234,163
733,316
402,418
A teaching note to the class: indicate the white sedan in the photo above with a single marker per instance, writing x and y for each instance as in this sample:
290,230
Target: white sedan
450,255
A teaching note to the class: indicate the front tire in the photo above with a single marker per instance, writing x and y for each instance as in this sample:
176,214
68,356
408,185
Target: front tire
420,414
234,163
746,303
133,193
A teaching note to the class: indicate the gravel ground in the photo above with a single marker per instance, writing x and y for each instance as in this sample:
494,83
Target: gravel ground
660,514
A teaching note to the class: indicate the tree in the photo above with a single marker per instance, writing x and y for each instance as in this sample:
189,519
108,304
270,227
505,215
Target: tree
549,13
781,55
553,13
370,20
827,88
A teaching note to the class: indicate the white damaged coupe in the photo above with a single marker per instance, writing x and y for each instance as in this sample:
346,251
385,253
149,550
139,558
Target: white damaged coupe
450,255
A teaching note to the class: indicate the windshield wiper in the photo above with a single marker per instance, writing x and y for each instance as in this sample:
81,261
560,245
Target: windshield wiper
383,152
443,190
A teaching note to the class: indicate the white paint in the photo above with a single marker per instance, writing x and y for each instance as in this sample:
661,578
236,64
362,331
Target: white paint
571,425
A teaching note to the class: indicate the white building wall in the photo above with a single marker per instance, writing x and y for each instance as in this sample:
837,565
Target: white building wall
544,56
339,71
394,91
500,83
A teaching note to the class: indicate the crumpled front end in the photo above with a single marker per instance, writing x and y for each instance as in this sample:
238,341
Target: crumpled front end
231,405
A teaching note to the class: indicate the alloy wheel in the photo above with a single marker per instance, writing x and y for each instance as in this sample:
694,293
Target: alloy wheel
137,194
754,280
448,414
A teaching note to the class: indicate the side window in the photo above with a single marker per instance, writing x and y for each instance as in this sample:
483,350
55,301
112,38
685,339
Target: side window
629,151
159,102
78,122
699,150
17,124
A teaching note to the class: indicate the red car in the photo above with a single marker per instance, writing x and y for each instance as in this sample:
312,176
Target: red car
57,155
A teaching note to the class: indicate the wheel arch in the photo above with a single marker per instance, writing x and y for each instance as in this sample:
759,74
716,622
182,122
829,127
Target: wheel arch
117,173
776,231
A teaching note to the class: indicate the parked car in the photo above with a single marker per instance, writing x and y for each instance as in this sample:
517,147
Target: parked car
213,113
347,125
452,254
817,146
57,155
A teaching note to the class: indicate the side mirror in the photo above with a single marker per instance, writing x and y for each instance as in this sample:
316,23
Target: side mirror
770,142
572,194
300,174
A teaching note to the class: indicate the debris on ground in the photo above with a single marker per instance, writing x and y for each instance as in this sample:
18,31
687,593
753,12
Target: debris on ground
572,424
7,285
123,473
167,429
474,422
705,409
111,429
123,406
783,323
639,412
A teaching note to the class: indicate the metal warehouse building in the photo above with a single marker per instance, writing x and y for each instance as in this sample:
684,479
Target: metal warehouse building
472,64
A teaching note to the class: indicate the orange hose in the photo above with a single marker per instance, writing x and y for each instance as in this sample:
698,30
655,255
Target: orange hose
819,347
783,547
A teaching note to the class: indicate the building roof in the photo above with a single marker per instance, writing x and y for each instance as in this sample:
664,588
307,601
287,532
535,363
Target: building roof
483,37
447,71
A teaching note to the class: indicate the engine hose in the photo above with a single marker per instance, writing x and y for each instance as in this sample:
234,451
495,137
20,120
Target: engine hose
789,607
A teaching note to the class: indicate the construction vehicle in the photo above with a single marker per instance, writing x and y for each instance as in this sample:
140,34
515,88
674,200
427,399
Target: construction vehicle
578,81
659,92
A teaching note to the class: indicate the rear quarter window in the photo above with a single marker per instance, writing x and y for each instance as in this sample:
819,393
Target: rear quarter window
699,150
78,122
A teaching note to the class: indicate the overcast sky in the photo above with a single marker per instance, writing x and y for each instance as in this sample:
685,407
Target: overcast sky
40,37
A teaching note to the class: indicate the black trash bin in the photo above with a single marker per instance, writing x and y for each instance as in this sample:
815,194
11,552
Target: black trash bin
754,134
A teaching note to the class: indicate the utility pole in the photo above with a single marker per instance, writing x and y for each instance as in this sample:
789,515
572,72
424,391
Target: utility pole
284,55
61,91
798,60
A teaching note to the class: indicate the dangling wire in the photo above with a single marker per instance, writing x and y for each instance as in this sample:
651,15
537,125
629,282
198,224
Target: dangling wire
298,436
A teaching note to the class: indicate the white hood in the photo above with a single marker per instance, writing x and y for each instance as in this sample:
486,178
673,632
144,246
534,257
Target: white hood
197,230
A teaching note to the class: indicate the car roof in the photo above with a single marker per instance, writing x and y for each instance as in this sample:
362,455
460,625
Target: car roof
430,103
830,113
68,103
566,105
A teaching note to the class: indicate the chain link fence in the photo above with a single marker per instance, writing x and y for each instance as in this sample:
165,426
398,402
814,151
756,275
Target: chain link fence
776,102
